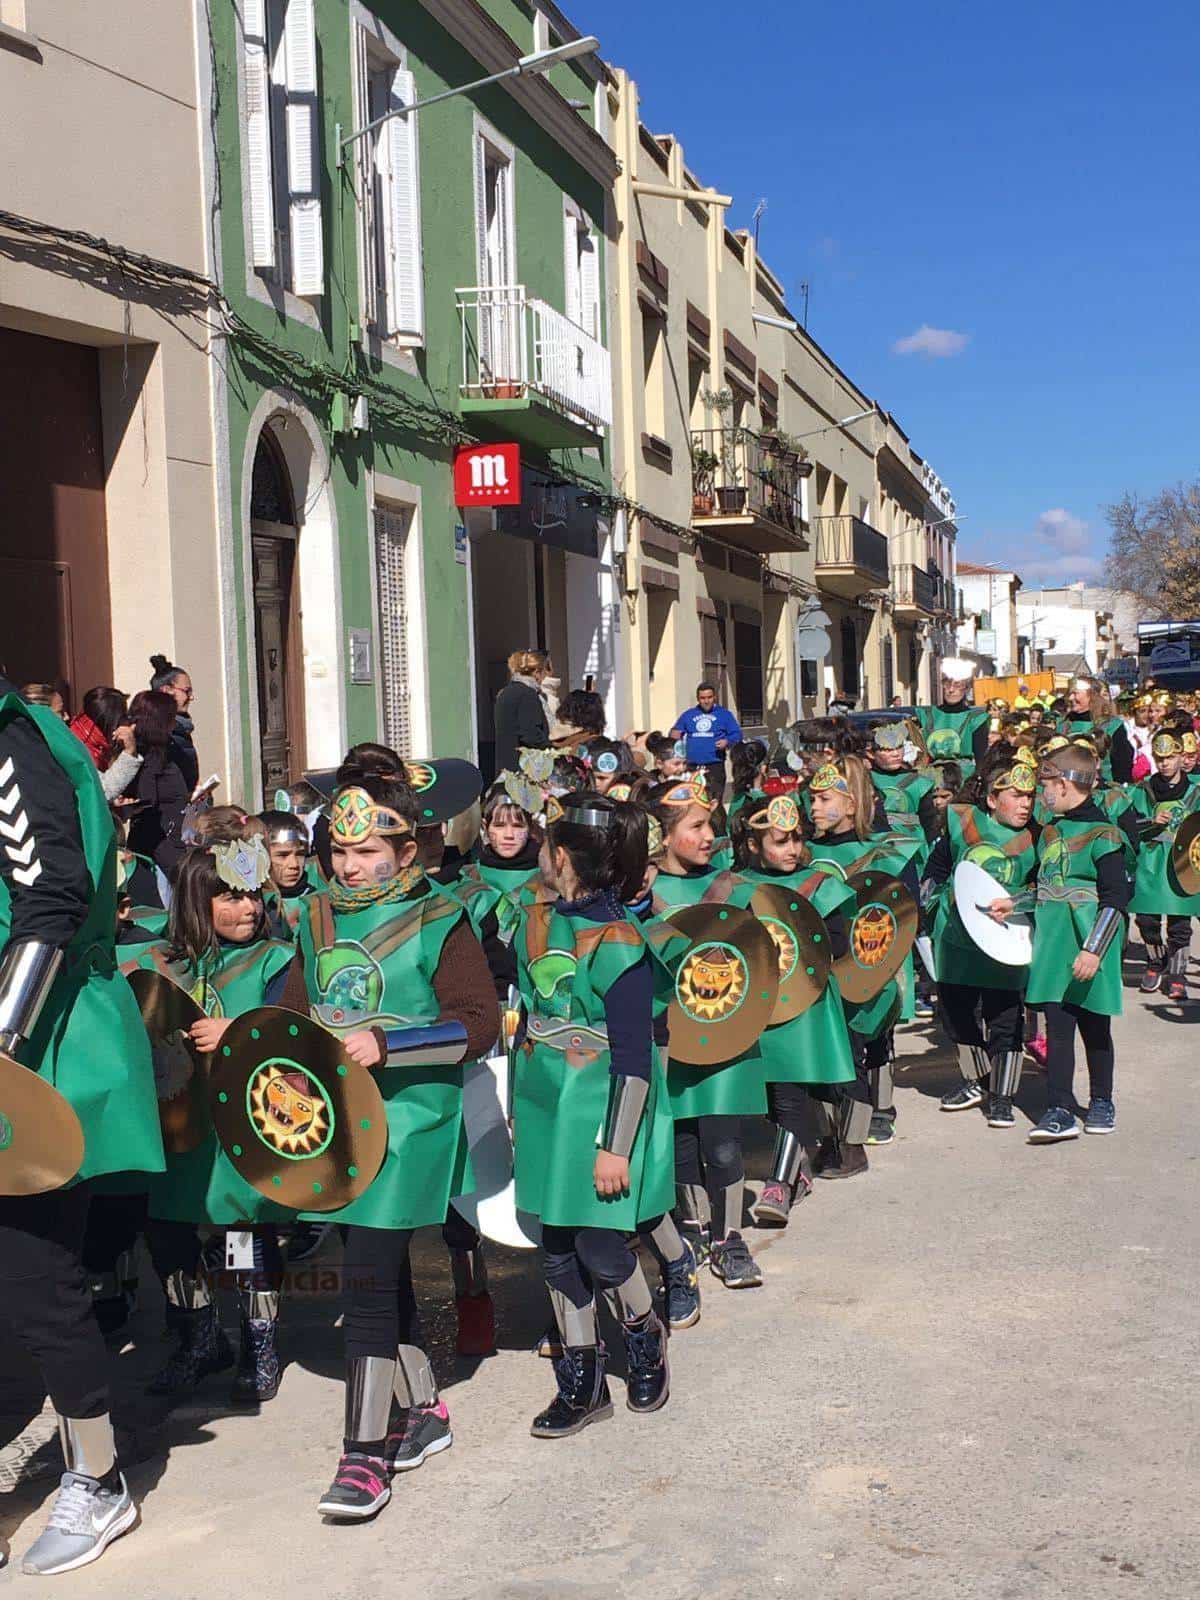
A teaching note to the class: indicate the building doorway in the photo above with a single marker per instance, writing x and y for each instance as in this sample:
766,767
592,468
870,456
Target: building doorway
274,537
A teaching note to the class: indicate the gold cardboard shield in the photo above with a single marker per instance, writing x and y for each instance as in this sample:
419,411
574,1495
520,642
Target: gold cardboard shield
881,933
300,1121
801,942
41,1140
726,984
179,1068
1185,855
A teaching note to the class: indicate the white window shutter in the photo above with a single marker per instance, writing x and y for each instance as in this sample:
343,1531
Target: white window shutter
303,154
481,240
571,295
258,133
406,301
589,283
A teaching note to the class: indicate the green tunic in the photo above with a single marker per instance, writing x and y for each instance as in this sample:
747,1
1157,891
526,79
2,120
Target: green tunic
566,966
949,734
815,1046
882,852
734,1088
1086,725
1155,887
378,965
481,889
203,1185
902,794
1067,899
1011,858
89,1041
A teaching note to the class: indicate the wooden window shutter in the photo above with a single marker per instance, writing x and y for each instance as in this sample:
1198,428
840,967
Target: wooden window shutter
572,297
258,133
303,155
589,290
406,299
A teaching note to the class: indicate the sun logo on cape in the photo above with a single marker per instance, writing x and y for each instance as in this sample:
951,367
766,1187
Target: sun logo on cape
872,935
944,742
786,948
553,975
1003,868
349,978
711,983
288,1110
1053,866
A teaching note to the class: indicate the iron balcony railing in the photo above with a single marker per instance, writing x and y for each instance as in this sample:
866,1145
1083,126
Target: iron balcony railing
912,586
846,541
749,477
514,344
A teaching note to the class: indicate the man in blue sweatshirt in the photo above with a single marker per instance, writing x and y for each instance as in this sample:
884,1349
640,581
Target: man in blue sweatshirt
709,730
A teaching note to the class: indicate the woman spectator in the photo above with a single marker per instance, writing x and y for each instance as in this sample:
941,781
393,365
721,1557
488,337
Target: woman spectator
103,726
177,683
520,714
162,788
45,694
580,719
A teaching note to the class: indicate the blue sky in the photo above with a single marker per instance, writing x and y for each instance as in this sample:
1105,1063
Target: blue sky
1024,177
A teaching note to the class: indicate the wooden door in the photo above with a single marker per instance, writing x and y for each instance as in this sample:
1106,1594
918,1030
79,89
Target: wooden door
280,673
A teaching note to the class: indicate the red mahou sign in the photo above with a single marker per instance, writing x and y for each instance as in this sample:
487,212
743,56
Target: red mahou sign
487,475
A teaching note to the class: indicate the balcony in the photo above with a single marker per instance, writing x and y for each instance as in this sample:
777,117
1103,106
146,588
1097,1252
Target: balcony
852,556
915,593
748,491
530,370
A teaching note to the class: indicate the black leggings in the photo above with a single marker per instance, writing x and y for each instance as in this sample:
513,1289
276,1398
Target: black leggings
991,1019
708,1153
44,1297
1179,931
793,1108
577,1261
113,1225
1096,1032
381,1307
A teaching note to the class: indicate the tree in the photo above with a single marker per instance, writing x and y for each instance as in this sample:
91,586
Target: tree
1154,550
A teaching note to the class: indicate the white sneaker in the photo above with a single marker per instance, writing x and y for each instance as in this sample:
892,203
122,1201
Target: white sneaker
85,1521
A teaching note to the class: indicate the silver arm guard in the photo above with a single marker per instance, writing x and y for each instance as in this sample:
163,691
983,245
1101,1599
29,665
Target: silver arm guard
437,1044
27,970
1105,929
626,1102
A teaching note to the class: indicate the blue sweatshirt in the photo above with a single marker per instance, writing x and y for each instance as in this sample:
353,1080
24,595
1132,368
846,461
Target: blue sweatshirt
702,729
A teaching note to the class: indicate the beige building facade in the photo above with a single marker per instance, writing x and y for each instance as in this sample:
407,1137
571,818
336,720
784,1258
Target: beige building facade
110,548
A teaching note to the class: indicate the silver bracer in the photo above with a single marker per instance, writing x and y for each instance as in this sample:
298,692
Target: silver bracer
28,968
435,1044
87,1445
626,1102
1108,924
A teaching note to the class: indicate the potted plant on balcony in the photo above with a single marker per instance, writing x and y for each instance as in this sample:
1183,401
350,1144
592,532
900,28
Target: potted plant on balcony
731,492
787,447
704,469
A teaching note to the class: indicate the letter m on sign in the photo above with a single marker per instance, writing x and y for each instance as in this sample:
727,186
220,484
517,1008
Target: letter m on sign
487,475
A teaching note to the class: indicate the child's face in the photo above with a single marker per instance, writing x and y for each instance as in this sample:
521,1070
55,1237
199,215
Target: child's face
507,833
1061,795
1170,767
235,916
887,760
1188,761
830,808
374,861
287,864
781,852
602,782
690,842
1010,807
672,766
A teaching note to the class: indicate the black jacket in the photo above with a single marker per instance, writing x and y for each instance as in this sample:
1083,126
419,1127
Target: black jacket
520,723
163,790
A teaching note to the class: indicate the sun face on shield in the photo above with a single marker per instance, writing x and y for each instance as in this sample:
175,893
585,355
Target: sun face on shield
288,1110
711,984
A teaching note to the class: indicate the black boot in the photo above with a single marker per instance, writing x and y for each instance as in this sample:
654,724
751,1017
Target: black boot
649,1375
202,1348
582,1396
259,1369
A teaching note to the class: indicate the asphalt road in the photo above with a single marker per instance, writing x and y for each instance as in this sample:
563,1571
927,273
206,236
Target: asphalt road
971,1372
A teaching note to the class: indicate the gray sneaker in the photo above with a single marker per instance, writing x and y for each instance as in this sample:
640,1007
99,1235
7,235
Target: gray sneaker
85,1521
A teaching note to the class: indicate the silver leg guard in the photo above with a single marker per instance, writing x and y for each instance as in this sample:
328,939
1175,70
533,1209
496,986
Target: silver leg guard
415,1382
692,1200
1178,964
260,1305
1156,954
789,1153
87,1445
665,1240
882,1080
1006,1073
631,1300
729,1210
469,1270
974,1063
186,1293
576,1324
369,1384
854,1123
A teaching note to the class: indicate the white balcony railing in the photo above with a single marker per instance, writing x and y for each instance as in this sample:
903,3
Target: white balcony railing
512,343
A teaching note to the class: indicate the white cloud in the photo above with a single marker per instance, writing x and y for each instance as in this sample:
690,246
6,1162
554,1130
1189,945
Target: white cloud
1066,533
1070,568
1060,549
929,341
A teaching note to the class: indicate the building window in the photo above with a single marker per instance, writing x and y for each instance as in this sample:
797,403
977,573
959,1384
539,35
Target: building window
808,678
581,270
712,639
393,524
851,682
748,670
390,195
282,142
654,371
501,328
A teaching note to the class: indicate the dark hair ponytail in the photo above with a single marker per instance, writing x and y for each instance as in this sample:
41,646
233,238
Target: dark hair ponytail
163,673
611,857
745,759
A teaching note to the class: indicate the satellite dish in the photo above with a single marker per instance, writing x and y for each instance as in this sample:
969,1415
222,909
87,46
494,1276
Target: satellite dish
812,643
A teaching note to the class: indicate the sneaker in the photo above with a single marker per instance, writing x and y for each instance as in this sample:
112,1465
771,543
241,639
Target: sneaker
1151,979
476,1324
1058,1123
582,1396
882,1129
964,1098
844,1161
1177,989
697,1235
426,1432
85,1520
923,1006
306,1239
1101,1117
1000,1112
732,1262
1036,1047
682,1283
774,1204
203,1349
648,1380
359,1489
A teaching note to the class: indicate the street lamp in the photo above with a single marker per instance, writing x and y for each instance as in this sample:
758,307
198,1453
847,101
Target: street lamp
539,61
843,423
788,324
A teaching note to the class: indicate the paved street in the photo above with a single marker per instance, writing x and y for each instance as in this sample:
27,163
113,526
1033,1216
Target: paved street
971,1373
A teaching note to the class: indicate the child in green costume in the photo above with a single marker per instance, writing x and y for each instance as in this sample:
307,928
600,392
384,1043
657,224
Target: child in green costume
591,1120
289,845
1167,798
